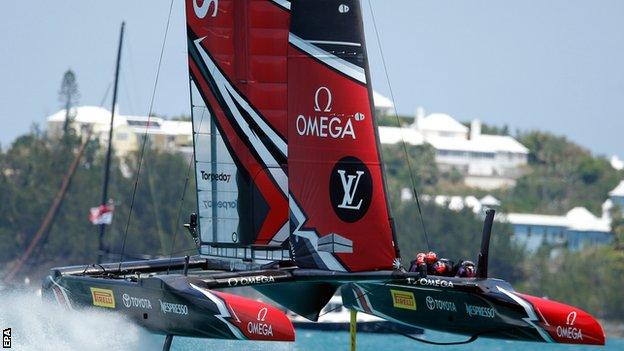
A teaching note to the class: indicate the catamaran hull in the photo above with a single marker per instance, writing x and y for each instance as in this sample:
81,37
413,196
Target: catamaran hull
174,305
495,312
189,306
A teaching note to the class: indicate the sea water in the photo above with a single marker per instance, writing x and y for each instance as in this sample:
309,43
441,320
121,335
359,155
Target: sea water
36,325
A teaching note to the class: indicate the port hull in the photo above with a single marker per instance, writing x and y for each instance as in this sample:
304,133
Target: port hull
173,305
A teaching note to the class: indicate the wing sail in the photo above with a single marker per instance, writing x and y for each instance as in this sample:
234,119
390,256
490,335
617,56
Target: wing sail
338,208
237,64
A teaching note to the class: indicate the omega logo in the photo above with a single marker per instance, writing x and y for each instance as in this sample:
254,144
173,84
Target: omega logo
317,95
262,314
202,10
571,319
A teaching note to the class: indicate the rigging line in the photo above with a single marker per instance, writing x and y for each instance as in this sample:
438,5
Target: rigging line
396,114
105,94
160,233
124,82
184,250
144,141
186,181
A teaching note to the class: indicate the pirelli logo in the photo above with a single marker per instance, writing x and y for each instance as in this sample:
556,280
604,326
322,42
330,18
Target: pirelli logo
403,299
103,297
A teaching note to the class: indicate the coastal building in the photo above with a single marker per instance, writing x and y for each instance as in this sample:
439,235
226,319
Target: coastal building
163,134
454,202
383,105
485,161
575,230
128,131
617,196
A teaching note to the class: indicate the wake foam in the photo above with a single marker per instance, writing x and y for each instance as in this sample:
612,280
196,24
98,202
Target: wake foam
40,325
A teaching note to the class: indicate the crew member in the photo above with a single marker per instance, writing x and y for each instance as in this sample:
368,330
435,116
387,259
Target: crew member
442,267
466,269
418,263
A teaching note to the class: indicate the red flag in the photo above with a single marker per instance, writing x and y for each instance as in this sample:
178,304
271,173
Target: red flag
102,214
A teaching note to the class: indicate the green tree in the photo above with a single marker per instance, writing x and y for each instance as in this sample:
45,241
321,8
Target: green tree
562,175
69,95
31,171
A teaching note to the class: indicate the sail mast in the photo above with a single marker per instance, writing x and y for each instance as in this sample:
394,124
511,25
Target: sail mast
101,250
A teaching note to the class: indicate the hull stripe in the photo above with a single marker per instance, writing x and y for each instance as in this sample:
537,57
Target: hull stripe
532,318
61,295
223,311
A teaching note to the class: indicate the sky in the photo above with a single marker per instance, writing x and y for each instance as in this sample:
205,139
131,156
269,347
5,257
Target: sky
554,65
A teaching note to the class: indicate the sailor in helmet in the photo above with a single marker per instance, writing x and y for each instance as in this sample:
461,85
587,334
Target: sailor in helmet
465,269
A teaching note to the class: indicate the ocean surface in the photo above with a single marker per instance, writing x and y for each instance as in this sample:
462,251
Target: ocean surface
36,325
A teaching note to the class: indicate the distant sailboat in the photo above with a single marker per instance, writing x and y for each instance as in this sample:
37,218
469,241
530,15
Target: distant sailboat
291,198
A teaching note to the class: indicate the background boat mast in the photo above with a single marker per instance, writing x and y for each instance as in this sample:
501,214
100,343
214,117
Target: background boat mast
101,250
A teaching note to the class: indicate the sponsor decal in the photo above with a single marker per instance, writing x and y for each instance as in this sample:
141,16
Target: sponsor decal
403,299
441,305
480,311
202,10
569,331
325,124
323,91
258,279
430,282
220,204
215,177
136,302
350,189
6,338
102,297
176,308
343,8
260,327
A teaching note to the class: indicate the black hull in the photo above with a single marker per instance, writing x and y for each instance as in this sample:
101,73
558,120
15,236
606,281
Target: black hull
176,304
171,304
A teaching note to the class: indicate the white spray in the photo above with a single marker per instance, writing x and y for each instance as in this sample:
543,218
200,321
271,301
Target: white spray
39,325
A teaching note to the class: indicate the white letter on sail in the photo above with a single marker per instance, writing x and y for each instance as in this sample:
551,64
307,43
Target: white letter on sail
201,11
349,189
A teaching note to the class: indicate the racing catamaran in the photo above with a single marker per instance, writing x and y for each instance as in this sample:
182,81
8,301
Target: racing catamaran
292,200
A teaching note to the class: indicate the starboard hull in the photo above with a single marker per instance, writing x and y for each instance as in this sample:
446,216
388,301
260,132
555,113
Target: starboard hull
492,309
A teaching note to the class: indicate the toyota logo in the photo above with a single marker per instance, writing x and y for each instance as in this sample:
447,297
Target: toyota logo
126,300
430,303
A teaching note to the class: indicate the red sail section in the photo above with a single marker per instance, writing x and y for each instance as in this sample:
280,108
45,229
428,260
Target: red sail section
248,39
339,214
238,64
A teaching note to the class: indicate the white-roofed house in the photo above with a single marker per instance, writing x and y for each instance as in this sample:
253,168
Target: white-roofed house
575,230
128,130
617,195
383,105
485,161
